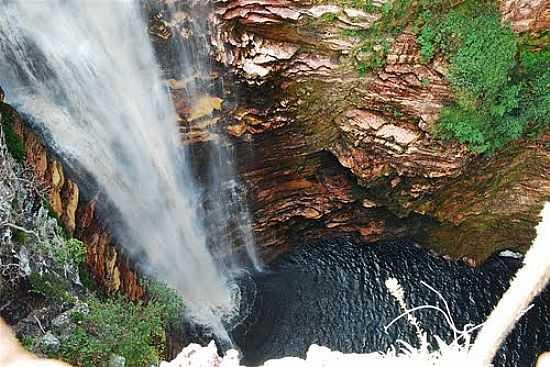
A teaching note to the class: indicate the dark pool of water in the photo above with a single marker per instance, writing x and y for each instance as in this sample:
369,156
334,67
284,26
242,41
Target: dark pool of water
333,294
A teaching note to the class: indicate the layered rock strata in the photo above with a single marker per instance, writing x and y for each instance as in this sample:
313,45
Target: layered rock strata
301,97
526,15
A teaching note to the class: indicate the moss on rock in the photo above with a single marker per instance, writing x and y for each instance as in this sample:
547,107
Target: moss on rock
14,142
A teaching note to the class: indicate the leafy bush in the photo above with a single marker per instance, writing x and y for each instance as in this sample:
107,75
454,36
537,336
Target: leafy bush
62,263
534,78
115,325
168,300
73,252
426,42
483,63
496,100
51,286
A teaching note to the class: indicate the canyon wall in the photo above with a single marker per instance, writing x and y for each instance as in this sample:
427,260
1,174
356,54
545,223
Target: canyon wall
339,152
336,152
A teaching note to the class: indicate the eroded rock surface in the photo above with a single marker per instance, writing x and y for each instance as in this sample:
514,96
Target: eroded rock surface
311,100
526,15
494,206
262,40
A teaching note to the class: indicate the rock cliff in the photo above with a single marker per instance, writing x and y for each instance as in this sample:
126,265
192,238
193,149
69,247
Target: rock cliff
301,98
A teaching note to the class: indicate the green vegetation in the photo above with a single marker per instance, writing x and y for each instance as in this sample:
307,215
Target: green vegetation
107,324
51,286
114,325
501,90
374,43
169,301
111,324
61,259
73,252
534,80
13,142
20,237
329,17
500,80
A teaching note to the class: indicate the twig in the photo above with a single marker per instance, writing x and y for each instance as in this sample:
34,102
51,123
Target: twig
19,228
39,324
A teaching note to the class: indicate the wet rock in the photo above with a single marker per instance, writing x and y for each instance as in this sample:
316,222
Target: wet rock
204,106
160,28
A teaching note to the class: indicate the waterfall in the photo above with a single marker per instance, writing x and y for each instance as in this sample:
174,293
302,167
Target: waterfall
228,220
85,73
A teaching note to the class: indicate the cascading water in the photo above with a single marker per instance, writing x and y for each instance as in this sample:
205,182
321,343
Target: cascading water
228,220
85,73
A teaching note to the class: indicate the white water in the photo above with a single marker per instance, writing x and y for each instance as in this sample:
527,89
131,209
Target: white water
85,70
227,217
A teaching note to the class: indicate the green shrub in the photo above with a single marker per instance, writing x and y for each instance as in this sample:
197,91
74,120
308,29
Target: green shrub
14,143
534,76
426,42
483,63
20,237
73,252
170,303
52,287
329,17
115,325
57,262
496,100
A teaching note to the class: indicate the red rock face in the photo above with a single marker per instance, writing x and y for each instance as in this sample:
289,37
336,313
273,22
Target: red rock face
388,130
379,127
526,15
